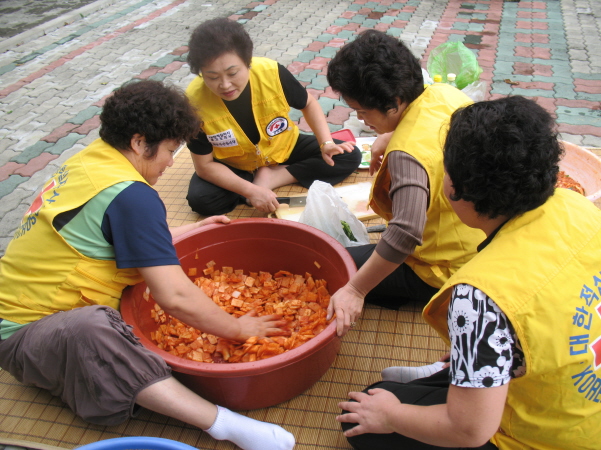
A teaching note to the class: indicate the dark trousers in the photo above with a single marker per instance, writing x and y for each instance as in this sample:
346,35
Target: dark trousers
400,287
305,164
423,391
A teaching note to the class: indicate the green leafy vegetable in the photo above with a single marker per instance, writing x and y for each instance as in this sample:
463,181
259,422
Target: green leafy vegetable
347,230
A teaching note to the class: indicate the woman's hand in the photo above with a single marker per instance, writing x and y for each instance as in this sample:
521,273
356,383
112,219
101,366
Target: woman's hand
330,150
371,412
263,199
214,219
446,359
377,152
178,231
262,326
182,299
347,303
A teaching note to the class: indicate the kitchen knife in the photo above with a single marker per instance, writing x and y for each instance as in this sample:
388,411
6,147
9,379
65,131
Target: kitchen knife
293,201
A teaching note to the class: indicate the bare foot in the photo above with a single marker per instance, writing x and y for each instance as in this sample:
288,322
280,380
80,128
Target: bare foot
272,177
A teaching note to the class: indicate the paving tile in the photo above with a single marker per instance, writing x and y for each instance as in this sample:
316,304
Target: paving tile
339,114
31,152
549,47
327,103
319,63
172,67
578,116
35,165
8,169
65,143
307,74
85,114
307,56
89,125
8,186
590,89
330,93
297,67
582,130
60,132
319,82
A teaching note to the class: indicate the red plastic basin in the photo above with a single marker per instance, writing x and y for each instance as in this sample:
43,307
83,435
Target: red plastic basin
253,245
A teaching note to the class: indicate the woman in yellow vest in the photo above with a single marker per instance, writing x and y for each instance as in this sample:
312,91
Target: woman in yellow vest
96,227
249,145
425,242
522,318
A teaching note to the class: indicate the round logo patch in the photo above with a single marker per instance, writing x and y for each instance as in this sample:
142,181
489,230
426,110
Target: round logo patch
277,126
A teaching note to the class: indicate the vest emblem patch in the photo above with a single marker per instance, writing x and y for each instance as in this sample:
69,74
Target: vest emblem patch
277,126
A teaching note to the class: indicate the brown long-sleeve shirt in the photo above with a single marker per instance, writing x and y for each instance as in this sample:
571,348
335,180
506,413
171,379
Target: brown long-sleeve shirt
409,192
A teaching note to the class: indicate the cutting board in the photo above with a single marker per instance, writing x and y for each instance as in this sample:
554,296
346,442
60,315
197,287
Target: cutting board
356,196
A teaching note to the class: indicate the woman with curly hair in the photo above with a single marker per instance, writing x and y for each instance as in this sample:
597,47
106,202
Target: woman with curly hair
249,145
425,242
97,227
521,318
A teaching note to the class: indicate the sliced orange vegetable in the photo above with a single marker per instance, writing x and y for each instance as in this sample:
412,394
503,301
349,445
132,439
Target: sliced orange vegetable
301,300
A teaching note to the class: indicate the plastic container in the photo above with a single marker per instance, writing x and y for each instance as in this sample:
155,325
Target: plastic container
584,167
451,79
437,78
344,135
253,245
137,443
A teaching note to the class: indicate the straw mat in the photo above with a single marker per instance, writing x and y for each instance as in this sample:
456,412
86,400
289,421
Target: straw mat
33,418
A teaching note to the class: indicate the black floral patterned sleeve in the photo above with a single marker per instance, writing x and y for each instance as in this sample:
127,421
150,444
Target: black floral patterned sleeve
485,351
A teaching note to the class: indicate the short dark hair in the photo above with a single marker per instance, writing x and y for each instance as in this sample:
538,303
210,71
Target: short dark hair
215,37
503,156
148,108
374,70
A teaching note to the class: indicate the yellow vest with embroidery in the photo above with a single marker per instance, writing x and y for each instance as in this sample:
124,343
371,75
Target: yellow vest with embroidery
271,110
543,269
41,273
447,243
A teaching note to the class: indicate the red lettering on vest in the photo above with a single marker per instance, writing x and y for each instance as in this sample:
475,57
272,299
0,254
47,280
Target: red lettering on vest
39,201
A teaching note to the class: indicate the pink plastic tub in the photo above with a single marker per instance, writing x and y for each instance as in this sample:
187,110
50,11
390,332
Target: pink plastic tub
584,167
253,245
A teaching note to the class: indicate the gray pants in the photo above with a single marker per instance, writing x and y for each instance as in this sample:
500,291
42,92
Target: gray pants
89,358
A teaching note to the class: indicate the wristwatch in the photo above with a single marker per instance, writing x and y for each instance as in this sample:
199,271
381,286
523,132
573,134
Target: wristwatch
326,143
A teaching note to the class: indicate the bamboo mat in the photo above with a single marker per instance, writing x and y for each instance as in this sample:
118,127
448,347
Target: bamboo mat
382,338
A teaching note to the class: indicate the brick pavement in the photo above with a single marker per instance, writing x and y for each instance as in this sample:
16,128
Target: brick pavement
52,86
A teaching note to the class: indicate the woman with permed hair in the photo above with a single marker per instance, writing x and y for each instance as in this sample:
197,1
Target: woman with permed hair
424,242
96,227
521,318
249,145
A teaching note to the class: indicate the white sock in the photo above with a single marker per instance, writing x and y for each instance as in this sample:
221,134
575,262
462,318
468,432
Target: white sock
249,434
407,374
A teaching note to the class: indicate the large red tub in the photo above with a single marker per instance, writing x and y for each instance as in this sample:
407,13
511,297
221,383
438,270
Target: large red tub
253,245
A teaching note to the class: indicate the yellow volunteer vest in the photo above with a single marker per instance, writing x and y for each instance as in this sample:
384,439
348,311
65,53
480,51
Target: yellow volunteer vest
447,242
543,269
41,274
270,108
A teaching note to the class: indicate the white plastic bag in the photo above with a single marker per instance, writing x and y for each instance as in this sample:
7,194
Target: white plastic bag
476,91
427,78
326,211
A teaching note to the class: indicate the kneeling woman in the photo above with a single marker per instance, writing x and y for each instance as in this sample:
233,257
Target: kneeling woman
96,227
521,317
